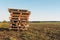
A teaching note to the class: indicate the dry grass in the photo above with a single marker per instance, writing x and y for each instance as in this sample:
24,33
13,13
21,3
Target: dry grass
36,31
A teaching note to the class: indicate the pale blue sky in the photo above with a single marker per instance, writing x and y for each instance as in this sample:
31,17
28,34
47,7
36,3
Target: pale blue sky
41,10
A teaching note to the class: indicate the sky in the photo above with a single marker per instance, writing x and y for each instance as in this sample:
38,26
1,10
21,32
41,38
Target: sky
41,10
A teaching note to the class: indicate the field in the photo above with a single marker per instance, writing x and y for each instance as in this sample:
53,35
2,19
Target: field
36,31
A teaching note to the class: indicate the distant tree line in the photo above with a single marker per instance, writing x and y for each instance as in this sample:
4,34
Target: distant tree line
4,21
42,21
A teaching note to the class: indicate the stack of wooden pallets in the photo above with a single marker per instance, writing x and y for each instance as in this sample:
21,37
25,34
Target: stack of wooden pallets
19,19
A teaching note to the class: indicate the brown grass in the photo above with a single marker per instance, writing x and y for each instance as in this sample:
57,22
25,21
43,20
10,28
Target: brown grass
36,31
